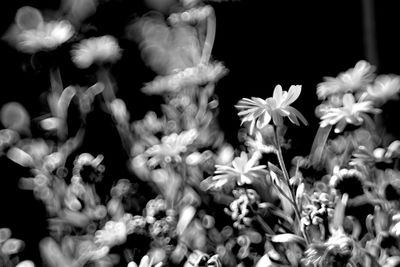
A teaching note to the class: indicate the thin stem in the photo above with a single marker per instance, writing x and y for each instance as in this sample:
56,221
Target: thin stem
209,42
287,181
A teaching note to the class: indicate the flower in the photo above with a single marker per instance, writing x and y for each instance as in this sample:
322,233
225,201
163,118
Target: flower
260,112
191,76
337,250
96,50
242,171
353,79
385,87
171,146
46,36
351,112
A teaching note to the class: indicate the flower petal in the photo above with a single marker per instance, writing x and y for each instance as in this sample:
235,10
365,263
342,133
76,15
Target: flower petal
293,94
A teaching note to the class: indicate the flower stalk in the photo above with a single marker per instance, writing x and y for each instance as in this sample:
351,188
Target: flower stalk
287,181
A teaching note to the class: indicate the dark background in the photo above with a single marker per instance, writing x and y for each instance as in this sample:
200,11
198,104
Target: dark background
261,42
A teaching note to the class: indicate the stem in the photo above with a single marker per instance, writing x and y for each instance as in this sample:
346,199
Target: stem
287,181
209,42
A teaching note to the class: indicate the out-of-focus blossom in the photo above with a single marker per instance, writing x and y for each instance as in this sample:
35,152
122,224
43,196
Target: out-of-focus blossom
350,113
15,117
96,50
113,233
166,49
5,233
258,144
259,112
46,37
7,138
11,246
78,10
385,87
33,34
350,81
348,181
192,76
191,15
243,170
119,111
171,146
25,263
337,250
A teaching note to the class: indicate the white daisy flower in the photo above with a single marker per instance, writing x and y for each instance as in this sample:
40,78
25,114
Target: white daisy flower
260,112
350,113
96,50
243,170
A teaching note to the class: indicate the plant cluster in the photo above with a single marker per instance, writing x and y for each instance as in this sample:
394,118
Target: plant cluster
210,204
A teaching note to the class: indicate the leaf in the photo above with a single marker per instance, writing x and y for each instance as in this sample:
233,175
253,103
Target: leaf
318,145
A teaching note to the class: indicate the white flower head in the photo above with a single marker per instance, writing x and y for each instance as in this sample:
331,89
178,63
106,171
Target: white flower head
96,50
350,113
243,170
47,36
33,33
350,81
172,146
260,112
385,87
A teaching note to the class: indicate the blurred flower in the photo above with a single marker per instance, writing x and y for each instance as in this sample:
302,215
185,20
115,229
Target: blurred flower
243,170
113,233
34,34
337,251
192,76
11,246
96,50
5,234
353,79
25,263
191,16
119,111
385,87
348,181
351,112
15,117
171,147
259,112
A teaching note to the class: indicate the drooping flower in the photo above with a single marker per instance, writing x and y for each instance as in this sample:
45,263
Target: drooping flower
243,170
350,81
259,112
96,50
350,113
